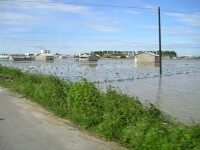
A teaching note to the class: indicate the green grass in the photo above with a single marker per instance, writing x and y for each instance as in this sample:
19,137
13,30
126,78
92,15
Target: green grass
111,115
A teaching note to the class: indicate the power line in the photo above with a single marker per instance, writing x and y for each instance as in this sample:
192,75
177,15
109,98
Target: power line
87,4
102,5
180,12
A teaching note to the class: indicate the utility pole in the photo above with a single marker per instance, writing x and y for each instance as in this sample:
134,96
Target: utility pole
160,51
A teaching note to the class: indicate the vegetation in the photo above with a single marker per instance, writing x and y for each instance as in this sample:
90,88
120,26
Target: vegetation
198,57
111,115
123,54
114,54
189,57
167,54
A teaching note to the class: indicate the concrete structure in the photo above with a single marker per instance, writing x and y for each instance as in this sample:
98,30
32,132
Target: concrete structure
19,57
45,55
147,58
88,57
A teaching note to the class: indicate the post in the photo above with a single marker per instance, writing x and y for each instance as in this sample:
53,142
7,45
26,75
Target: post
160,51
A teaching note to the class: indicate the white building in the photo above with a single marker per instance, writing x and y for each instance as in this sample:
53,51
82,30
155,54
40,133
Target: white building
147,58
45,55
88,57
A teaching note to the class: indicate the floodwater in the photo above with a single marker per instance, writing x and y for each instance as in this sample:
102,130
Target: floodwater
177,92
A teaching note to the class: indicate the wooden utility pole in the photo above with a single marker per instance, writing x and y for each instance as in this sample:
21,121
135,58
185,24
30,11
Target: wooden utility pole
160,51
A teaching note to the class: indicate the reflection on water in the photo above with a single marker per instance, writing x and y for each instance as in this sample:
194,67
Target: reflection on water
89,64
138,64
159,93
176,92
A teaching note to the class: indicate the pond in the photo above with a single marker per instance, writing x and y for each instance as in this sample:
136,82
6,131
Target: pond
177,92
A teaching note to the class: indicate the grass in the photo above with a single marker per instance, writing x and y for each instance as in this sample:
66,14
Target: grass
111,115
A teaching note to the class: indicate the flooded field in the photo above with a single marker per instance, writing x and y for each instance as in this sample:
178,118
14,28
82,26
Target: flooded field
177,92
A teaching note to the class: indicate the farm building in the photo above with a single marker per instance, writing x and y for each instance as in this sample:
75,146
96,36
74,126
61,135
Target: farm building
147,58
62,57
45,55
4,56
19,57
88,57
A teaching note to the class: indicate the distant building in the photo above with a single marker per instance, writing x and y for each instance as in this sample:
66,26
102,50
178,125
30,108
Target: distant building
187,57
45,51
30,55
4,56
45,55
88,57
62,57
19,57
147,58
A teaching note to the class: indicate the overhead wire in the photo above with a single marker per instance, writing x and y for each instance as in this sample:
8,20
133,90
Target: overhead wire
101,5
88,4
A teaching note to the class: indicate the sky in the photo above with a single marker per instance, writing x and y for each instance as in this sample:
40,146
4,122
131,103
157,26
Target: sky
78,26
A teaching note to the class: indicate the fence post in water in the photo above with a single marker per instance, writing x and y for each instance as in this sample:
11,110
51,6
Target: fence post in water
160,51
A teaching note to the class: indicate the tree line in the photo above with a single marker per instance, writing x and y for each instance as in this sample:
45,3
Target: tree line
166,53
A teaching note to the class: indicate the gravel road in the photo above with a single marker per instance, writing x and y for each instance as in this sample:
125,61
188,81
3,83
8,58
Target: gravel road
25,125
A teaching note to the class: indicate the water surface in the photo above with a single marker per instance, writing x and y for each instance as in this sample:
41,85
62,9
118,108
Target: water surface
177,92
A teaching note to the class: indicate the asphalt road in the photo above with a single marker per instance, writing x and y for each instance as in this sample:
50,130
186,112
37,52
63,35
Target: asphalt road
26,126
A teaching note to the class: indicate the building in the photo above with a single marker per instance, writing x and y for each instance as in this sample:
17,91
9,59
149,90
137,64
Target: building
19,57
147,58
4,56
45,55
62,57
30,55
45,51
88,57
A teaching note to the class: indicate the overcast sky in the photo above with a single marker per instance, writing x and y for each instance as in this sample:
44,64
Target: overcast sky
69,27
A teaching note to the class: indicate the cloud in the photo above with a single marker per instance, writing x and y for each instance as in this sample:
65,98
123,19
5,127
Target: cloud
51,13
46,5
125,44
30,11
151,27
16,18
64,8
148,6
192,20
132,12
181,45
183,31
103,28
10,30
34,43
177,38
